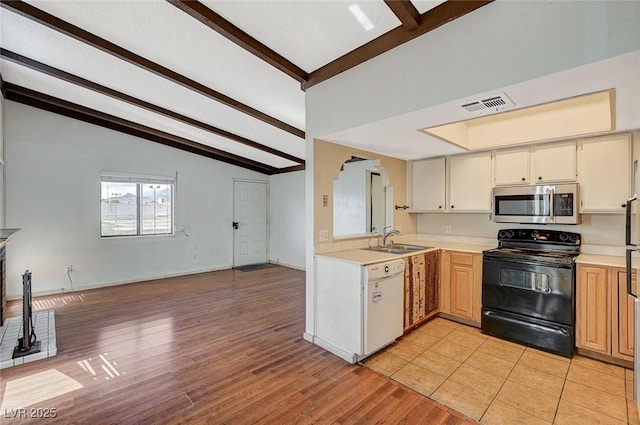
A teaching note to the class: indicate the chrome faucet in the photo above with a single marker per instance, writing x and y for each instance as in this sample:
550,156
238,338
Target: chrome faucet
389,233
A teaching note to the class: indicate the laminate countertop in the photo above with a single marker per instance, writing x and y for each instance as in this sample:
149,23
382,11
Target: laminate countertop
366,256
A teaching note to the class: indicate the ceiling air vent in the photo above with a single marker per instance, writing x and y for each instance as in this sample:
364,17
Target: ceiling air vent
495,102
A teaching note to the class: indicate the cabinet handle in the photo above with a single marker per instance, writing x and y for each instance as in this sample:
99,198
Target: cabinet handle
523,179
439,206
539,177
624,205
451,206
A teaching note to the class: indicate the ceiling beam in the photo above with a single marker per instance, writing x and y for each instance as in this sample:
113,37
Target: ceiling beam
430,20
46,19
79,81
290,169
406,12
52,104
202,13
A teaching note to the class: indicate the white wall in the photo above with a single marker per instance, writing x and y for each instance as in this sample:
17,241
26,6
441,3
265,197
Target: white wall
287,219
500,44
595,229
53,194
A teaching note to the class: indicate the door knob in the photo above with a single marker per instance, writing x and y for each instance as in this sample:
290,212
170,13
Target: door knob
235,224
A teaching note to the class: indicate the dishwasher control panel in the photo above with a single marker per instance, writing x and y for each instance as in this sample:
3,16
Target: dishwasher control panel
383,270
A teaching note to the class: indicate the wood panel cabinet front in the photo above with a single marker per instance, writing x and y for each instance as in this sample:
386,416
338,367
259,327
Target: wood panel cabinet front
622,315
593,311
461,286
604,313
421,287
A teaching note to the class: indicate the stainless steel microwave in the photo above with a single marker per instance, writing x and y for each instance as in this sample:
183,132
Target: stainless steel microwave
540,204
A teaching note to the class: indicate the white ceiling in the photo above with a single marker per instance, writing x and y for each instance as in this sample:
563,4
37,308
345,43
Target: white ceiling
308,33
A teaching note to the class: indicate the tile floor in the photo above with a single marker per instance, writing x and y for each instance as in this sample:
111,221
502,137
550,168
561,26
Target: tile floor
44,324
498,382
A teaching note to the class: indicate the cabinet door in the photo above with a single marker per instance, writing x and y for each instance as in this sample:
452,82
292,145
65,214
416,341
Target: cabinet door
470,183
414,283
432,281
604,168
622,314
427,185
593,312
462,285
511,167
553,162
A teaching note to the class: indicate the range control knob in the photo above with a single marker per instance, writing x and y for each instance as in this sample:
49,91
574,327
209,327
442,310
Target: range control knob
573,237
509,234
502,234
563,237
535,234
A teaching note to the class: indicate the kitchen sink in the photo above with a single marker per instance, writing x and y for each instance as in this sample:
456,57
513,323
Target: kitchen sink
398,248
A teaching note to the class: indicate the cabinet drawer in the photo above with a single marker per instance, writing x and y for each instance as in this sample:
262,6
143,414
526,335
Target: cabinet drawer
462,258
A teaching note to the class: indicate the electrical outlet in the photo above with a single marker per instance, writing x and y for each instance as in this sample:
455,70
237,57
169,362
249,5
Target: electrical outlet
68,268
447,228
324,235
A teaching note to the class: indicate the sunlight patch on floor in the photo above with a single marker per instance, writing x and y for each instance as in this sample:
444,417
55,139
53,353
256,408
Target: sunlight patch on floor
36,388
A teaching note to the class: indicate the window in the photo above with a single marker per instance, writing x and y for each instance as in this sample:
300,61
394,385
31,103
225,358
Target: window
136,206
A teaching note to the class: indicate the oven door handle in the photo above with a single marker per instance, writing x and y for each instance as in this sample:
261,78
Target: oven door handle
552,201
528,262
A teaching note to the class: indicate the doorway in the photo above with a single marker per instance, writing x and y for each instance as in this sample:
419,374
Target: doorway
249,222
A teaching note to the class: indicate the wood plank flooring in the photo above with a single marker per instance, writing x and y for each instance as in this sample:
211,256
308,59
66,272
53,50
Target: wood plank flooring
214,348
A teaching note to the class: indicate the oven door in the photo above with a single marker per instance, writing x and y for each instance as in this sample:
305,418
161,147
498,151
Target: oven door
535,289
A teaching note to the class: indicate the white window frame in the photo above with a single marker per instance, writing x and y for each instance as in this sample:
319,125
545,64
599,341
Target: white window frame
140,180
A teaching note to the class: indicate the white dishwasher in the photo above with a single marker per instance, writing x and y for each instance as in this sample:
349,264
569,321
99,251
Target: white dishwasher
359,309
384,304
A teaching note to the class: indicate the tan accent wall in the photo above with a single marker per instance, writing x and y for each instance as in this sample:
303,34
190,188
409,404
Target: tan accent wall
328,158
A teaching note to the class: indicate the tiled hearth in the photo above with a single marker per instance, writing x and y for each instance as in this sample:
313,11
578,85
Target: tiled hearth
44,324
498,382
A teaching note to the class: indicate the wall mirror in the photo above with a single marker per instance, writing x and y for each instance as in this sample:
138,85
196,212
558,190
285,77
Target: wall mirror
362,199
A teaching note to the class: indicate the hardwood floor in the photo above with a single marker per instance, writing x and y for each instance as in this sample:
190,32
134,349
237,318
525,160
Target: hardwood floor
215,348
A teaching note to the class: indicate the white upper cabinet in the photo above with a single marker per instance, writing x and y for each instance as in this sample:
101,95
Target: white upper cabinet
553,162
511,167
470,183
427,185
604,173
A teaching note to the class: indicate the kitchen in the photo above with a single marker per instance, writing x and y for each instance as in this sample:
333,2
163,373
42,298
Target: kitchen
602,252
602,225
368,94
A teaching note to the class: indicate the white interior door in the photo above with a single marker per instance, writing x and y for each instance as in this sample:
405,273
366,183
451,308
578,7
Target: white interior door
249,222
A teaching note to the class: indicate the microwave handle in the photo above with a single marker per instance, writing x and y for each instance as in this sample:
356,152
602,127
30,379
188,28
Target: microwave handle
552,194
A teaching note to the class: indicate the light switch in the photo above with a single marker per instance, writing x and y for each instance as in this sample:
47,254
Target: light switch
325,200
324,235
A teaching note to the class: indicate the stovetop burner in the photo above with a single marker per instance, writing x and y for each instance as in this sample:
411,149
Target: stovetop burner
537,245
